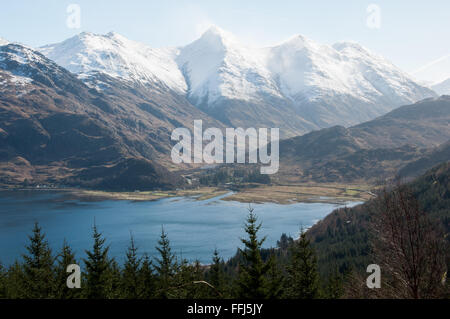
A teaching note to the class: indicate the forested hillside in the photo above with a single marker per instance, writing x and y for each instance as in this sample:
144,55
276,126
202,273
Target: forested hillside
342,238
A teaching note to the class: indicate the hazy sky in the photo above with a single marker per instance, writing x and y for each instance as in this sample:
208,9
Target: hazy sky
410,33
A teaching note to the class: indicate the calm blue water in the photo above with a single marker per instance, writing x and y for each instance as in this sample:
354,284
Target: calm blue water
194,227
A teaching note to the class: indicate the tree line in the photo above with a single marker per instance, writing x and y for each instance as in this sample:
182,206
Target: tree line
42,274
409,246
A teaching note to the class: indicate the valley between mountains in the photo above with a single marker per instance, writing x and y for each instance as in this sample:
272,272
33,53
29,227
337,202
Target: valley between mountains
94,115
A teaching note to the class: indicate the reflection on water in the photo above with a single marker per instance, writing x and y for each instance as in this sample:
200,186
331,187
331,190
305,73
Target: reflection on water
195,227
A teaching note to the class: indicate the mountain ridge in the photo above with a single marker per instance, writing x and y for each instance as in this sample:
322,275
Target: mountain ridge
302,84
370,151
56,129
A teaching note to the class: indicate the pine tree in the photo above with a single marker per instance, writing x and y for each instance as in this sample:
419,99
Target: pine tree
275,279
38,269
181,283
166,266
114,277
147,279
14,282
334,288
252,282
217,275
97,268
65,258
2,282
131,284
184,286
303,278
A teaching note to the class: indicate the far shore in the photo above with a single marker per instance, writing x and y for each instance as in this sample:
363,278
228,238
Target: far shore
280,194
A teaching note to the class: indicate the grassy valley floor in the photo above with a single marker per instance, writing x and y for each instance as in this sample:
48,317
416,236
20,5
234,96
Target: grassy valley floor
280,194
288,194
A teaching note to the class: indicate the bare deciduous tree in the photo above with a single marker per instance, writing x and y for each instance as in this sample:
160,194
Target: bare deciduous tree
409,247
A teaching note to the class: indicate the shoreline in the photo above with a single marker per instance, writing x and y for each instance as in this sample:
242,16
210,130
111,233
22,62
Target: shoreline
278,194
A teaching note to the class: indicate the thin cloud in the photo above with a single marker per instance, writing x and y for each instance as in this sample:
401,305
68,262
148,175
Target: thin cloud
426,66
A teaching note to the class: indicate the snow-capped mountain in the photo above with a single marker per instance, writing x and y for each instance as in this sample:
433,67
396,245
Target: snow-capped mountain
118,57
3,41
218,66
309,70
23,65
299,84
442,88
56,129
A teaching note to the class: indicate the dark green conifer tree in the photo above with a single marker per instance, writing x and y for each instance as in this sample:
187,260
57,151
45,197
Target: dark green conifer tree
65,258
217,276
303,278
2,282
14,281
131,281
166,267
275,285
193,283
98,264
147,279
334,288
38,269
252,281
114,276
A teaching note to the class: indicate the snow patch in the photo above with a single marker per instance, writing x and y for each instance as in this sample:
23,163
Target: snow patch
117,56
217,66
3,41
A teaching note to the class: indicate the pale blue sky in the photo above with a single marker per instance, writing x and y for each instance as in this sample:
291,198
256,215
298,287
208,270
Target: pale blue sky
412,33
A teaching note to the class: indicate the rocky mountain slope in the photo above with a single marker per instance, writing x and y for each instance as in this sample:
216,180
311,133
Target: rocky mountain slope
54,129
370,151
432,158
104,118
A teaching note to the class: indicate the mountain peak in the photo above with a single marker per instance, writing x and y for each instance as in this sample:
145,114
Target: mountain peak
217,67
298,40
3,41
215,30
21,54
116,36
214,34
87,36
350,45
116,56
84,34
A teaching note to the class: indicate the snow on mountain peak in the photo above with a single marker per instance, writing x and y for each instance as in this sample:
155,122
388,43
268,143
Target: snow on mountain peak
298,42
216,36
3,41
21,62
341,46
217,65
310,70
116,56
21,55
305,67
